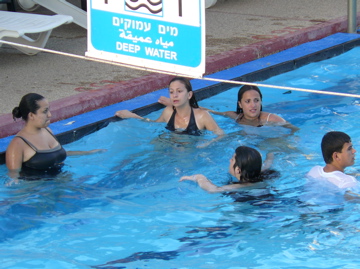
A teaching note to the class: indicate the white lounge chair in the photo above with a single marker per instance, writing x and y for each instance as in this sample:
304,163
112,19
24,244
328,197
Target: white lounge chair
14,27
62,7
210,3
66,8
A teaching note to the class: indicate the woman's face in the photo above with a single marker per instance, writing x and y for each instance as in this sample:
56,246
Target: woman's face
179,94
251,104
42,115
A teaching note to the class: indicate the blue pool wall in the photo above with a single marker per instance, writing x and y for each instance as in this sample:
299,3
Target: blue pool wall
74,128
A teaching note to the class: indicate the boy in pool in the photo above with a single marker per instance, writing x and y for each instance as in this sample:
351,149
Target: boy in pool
338,153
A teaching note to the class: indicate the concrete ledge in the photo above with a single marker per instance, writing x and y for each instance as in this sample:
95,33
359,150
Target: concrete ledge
118,92
76,127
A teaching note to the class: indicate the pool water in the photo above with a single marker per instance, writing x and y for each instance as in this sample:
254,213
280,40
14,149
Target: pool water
126,208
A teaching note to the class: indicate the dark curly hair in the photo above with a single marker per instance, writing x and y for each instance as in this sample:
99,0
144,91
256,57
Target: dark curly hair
28,103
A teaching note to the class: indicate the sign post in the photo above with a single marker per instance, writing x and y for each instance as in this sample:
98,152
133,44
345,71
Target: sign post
165,35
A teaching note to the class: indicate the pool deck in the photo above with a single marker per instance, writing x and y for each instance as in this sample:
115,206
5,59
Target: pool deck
240,37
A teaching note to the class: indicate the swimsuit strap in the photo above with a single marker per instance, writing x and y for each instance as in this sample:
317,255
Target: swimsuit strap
171,123
51,134
267,119
192,120
28,143
192,127
32,145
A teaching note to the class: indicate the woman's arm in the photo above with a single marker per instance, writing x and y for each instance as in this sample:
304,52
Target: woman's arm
209,123
283,122
14,157
268,161
207,185
84,152
128,114
125,114
293,128
229,114
270,117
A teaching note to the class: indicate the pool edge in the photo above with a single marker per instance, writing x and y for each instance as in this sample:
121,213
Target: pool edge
84,102
310,51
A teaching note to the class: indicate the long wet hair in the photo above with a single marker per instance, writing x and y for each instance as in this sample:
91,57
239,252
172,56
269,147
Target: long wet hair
250,163
241,92
28,103
187,84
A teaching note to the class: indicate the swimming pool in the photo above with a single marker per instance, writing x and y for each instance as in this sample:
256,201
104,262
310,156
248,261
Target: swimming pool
126,209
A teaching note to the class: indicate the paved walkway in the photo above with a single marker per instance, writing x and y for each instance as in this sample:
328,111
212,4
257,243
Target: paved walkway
237,31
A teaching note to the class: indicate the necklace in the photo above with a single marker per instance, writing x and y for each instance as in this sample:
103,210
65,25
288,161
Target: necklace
183,119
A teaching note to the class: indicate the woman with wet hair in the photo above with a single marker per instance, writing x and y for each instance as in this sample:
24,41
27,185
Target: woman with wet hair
35,148
249,108
245,165
183,114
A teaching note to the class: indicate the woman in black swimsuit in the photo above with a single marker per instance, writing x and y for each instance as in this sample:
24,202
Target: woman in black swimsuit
35,148
184,115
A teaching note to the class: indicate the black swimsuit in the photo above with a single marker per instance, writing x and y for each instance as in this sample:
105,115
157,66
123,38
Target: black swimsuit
49,159
191,129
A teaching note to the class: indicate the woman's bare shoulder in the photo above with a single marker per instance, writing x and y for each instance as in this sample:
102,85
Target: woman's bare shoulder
201,113
271,117
166,114
16,143
231,114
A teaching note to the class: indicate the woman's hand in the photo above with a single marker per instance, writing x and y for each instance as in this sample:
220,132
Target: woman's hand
268,161
165,101
12,182
126,114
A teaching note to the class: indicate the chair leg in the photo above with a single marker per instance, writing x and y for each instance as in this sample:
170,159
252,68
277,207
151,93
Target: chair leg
83,5
25,40
11,5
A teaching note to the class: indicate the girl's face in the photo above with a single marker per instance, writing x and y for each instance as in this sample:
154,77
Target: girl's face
251,104
179,95
42,116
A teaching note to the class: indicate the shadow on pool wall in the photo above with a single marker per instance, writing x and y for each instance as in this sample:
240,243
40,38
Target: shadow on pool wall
254,71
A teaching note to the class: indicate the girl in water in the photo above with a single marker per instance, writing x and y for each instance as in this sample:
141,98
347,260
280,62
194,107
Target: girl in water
245,165
182,114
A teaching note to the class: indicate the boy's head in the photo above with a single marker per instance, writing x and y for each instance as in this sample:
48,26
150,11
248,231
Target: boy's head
333,142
